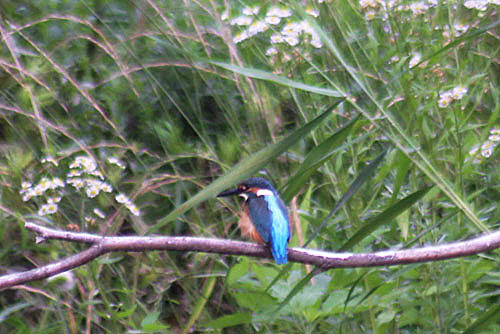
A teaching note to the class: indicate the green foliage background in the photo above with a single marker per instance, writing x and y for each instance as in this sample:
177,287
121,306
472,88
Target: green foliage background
163,87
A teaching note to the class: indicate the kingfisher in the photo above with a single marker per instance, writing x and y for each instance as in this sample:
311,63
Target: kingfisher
265,217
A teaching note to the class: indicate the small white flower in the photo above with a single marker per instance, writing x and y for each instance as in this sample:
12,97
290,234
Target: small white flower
312,11
273,20
106,187
99,213
460,28
305,26
74,173
122,198
368,3
316,42
97,173
458,92
277,38
494,138
25,186
494,135
241,21
271,51
251,10
291,29
115,161
56,183
92,191
417,57
487,148
394,59
89,166
28,195
39,190
53,200
133,209
76,182
476,4
225,15
48,209
419,8
51,160
370,15
474,150
256,27
445,99
241,36
495,131
279,12
292,40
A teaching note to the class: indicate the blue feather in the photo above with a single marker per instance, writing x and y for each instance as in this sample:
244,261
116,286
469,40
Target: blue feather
269,215
260,215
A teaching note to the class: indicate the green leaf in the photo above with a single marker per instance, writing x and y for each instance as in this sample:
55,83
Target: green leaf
254,300
126,313
237,271
316,158
245,168
150,318
386,316
229,320
284,81
403,164
384,217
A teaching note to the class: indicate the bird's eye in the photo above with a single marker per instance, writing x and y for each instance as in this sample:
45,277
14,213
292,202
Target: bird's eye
243,187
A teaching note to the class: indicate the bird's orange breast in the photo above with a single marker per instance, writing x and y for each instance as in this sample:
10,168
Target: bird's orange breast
247,227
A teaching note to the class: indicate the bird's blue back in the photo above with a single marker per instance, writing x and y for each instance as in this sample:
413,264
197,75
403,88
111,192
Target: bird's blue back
270,217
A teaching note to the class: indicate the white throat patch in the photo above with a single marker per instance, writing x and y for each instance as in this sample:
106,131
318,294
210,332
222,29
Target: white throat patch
264,192
245,196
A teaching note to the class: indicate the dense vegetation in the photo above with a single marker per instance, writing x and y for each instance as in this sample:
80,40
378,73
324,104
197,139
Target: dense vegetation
115,113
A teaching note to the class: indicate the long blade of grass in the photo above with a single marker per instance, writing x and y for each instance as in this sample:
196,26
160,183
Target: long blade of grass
268,76
353,287
316,158
245,168
384,217
201,303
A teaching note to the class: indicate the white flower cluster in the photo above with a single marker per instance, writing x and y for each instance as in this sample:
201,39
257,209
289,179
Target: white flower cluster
291,33
446,97
486,148
370,7
86,167
83,175
480,5
28,191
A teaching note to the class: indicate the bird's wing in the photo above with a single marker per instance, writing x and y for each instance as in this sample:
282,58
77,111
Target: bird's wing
261,216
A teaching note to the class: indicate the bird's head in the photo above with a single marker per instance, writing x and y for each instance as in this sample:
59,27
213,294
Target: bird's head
255,185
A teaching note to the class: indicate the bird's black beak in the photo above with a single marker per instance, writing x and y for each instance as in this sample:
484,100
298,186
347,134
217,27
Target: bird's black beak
236,191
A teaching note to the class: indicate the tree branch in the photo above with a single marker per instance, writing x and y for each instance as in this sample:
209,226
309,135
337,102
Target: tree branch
325,260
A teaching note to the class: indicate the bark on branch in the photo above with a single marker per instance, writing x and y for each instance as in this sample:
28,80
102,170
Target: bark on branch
325,260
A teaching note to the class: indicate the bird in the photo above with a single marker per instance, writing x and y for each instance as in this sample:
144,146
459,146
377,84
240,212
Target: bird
264,218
